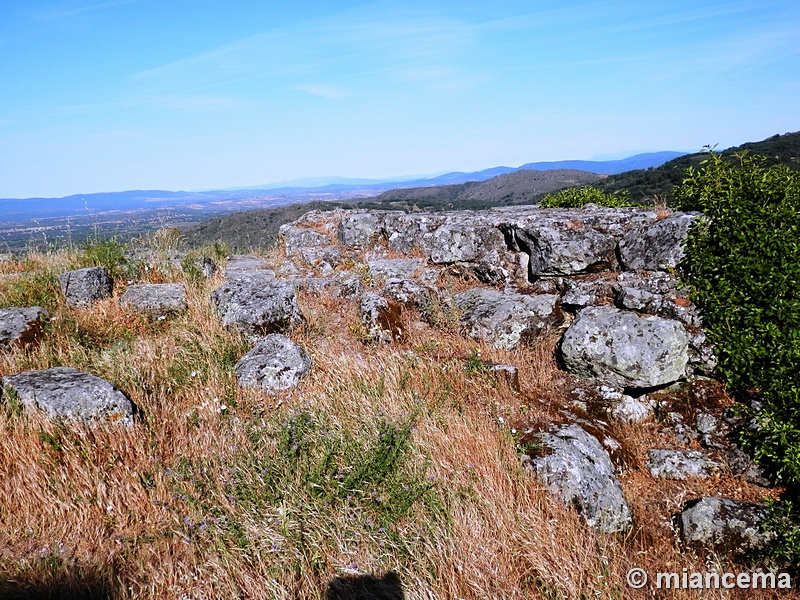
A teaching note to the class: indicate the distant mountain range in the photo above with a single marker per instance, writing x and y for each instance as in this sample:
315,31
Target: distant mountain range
319,188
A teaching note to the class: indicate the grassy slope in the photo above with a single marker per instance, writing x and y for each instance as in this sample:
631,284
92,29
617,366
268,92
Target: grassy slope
273,496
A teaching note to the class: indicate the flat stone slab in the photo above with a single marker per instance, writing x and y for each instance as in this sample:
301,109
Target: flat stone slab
275,363
155,299
681,464
624,348
505,319
67,393
21,325
247,266
83,287
400,268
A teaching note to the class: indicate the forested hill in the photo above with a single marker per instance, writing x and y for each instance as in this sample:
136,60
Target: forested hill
644,184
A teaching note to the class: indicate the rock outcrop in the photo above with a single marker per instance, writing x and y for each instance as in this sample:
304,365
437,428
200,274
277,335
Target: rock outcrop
257,306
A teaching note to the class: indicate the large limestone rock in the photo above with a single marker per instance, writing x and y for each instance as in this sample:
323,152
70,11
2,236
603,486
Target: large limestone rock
466,241
505,318
21,325
155,299
577,469
83,287
624,348
67,393
257,306
656,246
562,249
358,230
724,525
296,239
394,267
275,363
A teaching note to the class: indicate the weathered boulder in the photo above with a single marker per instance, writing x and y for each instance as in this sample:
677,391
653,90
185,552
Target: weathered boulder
394,267
257,306
579,292
724,525
296,239
21,325
408,232
275,363
64,392
381,317
577,469
681,464
632,410
155,299
83,287
465,241
357,230
566,247
624,348
656,246
505,318
409,291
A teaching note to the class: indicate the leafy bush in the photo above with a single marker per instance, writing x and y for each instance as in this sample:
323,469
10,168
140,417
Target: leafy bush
577,197
743,267
109,253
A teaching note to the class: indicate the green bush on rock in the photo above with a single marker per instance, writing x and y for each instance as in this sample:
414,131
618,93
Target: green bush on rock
577,197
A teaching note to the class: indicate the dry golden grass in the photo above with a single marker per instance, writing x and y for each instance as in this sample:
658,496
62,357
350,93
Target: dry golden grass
187,503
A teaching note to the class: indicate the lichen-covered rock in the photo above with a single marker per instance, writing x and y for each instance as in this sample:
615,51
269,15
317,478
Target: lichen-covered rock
681,464
257,306
83,287
275,363
465,241
247,266
67,393
723,525
557,248
624,348
388,268
381,317
155,299
358,230
21,325
580,292
577,469
296,239
505,319
656,246
632,410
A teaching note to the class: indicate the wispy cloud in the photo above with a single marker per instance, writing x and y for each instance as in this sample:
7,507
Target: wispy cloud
322,90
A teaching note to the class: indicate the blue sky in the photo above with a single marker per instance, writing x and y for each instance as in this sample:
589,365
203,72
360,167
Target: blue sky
177,94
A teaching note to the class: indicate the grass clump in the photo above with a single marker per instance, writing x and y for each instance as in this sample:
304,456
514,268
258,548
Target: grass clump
578,197
31,289
743,265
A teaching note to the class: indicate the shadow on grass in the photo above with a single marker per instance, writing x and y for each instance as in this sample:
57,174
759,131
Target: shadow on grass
365,587
75,583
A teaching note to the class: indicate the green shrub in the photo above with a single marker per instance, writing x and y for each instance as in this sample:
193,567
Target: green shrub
110,253
743,267
577,197
36,289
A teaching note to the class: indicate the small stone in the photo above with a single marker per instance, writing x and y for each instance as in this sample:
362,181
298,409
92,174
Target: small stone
681,464
155,299
21,326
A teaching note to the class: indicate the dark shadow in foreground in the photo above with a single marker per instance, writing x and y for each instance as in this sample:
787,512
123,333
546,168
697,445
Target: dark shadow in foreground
365,587
76,583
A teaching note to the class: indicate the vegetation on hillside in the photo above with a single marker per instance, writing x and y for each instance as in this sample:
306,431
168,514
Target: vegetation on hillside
578,197
743,266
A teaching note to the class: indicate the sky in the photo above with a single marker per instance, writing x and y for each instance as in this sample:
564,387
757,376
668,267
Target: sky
99,96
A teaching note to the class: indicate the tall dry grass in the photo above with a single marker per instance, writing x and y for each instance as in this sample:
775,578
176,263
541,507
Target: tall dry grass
220,492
